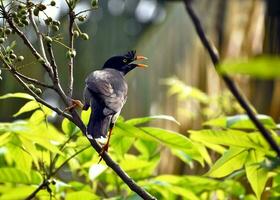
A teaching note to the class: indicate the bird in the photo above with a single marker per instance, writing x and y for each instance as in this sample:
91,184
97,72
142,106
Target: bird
105,93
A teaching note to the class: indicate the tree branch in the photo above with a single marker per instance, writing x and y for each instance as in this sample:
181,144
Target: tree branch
44,184
110,163
27,43
230,84
71,45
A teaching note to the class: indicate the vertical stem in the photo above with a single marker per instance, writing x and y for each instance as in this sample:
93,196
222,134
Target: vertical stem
37,31
71,45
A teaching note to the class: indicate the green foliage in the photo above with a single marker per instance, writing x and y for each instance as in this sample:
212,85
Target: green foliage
265,67
33,150
247,152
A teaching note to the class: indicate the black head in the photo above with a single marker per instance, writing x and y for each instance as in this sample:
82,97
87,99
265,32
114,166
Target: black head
124,63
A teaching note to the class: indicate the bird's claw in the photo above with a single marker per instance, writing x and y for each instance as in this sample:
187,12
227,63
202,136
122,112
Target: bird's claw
103,150
74,104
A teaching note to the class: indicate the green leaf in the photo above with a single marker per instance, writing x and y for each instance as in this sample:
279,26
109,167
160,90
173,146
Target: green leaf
174,141
22,159
131,162
69,127
37,117
265,67
142,120
81,195
225,137
146,148
169,138
196,184
4,138
256,174
232,160
14,175
184,91
31,149
17,193
85,115
241,122
29,106
183,156
204,153
120,144
17,95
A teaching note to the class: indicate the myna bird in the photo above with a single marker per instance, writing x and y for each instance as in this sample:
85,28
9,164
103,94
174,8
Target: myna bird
106,93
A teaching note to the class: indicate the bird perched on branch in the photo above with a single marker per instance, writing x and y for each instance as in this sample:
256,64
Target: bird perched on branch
106,92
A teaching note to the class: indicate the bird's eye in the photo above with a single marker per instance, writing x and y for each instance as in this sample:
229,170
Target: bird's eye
124,60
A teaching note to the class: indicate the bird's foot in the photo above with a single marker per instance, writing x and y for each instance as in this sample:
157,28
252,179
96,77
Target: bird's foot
103,150
74,104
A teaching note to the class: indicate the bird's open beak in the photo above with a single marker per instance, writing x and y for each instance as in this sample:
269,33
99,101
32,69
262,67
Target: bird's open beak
141,58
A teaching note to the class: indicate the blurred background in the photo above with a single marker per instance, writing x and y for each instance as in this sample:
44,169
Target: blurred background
162,31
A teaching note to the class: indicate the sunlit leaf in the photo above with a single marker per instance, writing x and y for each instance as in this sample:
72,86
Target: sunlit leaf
29,106
146,148
204,153
225,137
131,162
240,122
142,120
4,138
22,159
252,197
174,140
256,174
85,115
81,195
233,187
68,127
184,91
120,144
232,160
260,67
17,95
17,193
183,156
196,184
14,175
30,148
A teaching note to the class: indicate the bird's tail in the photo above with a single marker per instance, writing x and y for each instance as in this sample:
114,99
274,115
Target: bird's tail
98,126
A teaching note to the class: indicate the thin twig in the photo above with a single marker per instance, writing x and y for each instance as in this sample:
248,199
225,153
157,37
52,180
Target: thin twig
67,160
230,84
39,35
83,11
32,80
53,162
53,63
